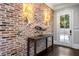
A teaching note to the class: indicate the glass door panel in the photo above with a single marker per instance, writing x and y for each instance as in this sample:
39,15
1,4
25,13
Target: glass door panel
64,28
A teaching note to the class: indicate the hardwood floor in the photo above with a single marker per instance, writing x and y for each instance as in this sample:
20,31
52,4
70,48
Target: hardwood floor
62,51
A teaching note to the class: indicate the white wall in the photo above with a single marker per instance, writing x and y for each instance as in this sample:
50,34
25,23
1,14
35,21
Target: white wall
75,24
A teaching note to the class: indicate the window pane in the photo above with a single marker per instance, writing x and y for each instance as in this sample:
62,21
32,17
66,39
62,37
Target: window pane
61,21
64,21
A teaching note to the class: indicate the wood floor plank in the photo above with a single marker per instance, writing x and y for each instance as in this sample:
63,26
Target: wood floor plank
63,51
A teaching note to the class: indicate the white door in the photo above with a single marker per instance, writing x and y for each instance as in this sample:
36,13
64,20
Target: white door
64,27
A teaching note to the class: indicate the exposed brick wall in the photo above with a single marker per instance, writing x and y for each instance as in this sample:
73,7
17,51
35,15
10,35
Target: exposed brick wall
11,22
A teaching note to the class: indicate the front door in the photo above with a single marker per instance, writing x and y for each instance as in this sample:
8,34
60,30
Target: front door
64,21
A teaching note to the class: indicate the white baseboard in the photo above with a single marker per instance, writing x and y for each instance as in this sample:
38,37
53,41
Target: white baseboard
75,46
57,43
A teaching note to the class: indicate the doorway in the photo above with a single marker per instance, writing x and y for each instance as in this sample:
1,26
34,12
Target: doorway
64,27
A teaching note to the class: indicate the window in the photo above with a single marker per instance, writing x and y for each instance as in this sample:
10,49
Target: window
64,21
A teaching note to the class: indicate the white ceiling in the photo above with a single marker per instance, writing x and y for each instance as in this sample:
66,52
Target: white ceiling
53,5
56,6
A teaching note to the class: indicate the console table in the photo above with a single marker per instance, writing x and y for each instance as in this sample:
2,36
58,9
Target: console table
34,39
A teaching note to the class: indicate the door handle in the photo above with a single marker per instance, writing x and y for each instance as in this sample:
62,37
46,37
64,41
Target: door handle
70,32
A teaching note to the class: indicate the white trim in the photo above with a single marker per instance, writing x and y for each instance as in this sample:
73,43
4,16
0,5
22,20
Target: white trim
76,30
72,25
62,12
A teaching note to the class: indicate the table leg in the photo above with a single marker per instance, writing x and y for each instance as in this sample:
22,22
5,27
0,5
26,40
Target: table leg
46,42
34,47
52,41
28,46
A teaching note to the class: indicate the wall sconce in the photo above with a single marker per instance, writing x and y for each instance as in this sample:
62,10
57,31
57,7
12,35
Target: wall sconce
28,12
46,17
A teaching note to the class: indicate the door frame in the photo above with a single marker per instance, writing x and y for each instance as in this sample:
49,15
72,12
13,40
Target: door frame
70,11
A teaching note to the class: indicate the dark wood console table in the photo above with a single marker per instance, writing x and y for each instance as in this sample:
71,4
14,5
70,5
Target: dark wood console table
34,39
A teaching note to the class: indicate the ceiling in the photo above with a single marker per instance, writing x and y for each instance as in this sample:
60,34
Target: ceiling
56,6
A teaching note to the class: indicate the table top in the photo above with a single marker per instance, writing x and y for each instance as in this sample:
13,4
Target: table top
40,36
